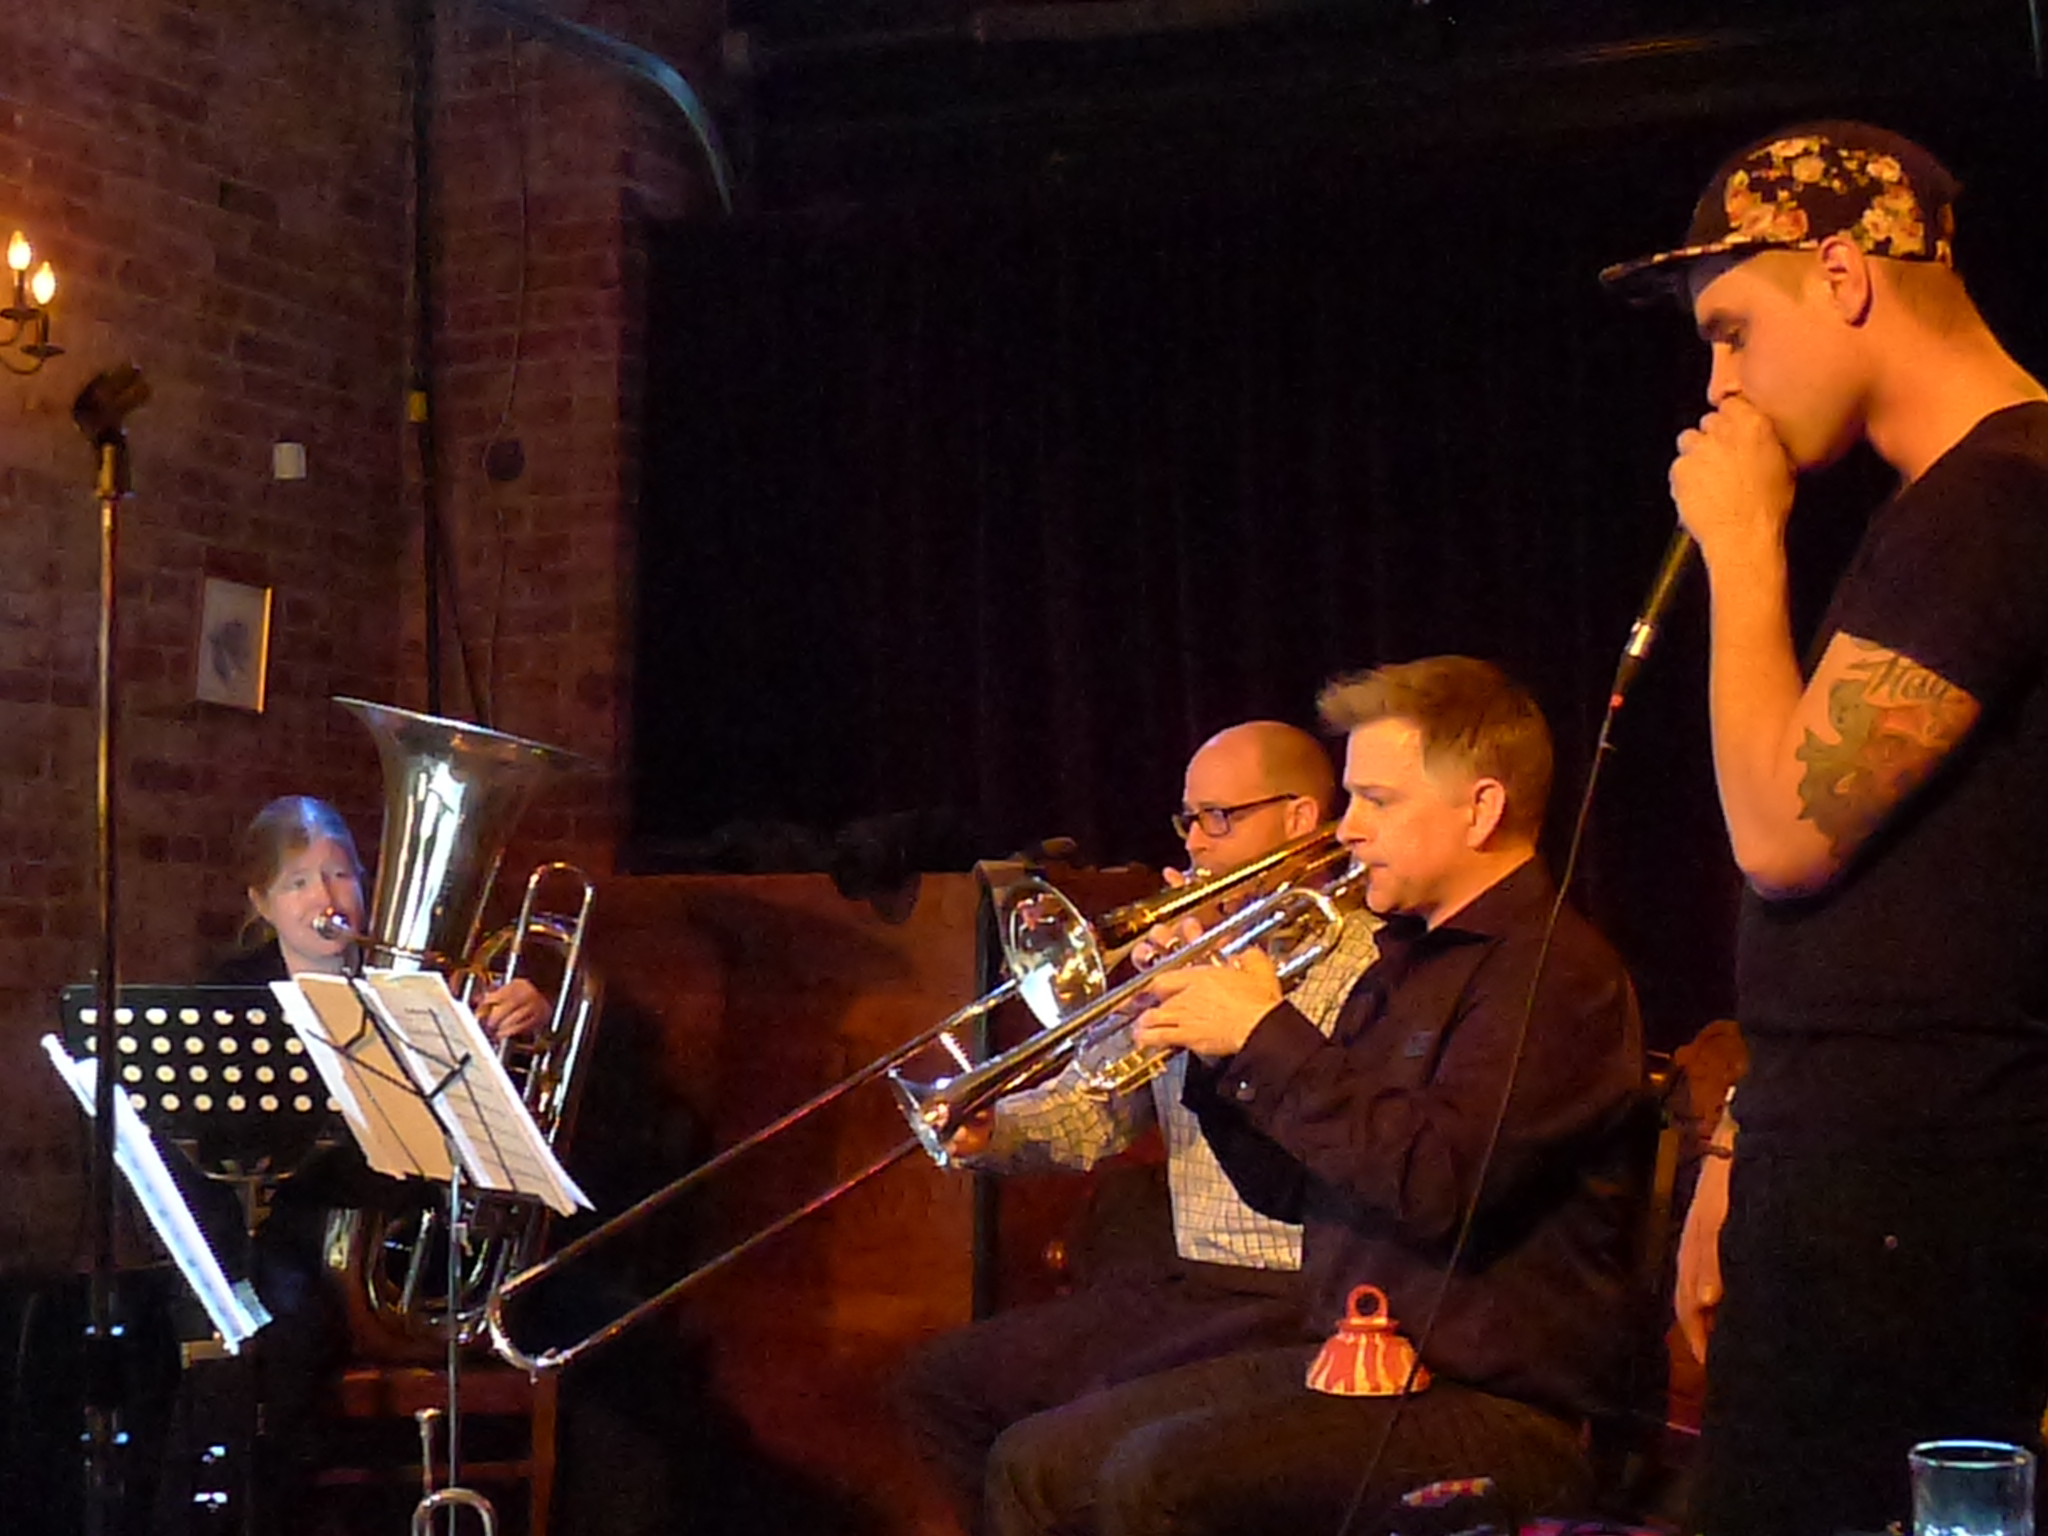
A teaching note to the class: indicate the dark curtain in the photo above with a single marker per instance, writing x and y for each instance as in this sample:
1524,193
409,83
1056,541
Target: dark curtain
969,515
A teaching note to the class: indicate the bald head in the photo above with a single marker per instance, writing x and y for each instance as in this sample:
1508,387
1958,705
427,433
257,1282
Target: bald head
1276,758
1264,782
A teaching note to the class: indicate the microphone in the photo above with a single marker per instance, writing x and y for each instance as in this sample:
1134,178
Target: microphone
102,407
1643,633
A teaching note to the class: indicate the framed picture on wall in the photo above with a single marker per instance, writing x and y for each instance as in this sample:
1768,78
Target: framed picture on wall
234,645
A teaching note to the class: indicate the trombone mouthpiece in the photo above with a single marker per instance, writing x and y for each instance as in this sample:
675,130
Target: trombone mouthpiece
332,925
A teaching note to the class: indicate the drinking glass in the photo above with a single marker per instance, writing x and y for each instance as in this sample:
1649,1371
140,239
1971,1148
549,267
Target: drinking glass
1972,1488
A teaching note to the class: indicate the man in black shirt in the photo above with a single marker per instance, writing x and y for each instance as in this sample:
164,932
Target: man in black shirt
1884,1233
1375,1139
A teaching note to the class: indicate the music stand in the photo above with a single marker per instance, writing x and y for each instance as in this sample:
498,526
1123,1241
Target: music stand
421,1087
217,1072
231,1305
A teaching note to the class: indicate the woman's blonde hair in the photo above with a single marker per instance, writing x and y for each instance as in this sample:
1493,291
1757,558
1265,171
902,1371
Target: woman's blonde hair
287,826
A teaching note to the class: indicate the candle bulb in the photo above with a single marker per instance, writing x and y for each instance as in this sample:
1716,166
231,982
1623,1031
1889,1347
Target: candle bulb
25,321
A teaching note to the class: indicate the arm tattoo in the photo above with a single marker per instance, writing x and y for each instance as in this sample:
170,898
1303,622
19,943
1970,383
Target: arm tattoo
1893,721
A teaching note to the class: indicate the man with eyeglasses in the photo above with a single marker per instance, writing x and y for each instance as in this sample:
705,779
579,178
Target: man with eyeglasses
1488,1225
1231,1281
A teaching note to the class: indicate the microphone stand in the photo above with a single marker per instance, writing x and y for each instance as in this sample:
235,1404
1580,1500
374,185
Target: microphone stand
100,410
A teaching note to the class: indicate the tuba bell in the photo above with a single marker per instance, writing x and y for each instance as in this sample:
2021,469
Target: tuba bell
453,793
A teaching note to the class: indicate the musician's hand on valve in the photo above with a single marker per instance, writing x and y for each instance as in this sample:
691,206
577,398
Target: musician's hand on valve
1162,939
515,1009
1210,1009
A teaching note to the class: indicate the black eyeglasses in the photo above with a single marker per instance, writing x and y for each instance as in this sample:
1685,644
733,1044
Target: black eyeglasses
1215,819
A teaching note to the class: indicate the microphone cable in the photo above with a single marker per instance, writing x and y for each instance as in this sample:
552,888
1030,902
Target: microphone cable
1670,573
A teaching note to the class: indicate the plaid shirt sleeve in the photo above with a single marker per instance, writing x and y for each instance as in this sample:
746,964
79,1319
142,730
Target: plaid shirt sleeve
1060,1126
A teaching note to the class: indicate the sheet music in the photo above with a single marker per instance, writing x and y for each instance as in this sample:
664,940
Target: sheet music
232,1306
454,1062
396,1130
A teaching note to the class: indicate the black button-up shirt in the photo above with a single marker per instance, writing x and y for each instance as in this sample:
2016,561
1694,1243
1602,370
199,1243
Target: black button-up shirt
1372,1139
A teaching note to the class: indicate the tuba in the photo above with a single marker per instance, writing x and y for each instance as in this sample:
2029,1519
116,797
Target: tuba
453,792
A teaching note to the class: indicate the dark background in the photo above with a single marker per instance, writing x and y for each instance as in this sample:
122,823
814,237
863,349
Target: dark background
1051,405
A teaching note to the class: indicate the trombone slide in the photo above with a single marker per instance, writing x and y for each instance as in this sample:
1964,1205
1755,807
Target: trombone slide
1057,964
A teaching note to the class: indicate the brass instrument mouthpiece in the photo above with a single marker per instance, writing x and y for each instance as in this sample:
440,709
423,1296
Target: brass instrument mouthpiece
332,925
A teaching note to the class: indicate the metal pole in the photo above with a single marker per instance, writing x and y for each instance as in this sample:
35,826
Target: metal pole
420,398
455,1240
99,410
102,1491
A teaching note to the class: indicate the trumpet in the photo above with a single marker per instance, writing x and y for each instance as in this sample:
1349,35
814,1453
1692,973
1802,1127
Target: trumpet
1309,918
1299,927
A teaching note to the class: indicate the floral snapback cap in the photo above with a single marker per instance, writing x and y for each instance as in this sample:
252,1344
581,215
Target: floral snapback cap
1803,185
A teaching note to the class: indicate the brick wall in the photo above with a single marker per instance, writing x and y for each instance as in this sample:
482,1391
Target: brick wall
219,185
546,169
223,186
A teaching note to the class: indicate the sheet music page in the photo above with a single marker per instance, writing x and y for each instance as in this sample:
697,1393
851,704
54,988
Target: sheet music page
233,1308
396,1130
500,1147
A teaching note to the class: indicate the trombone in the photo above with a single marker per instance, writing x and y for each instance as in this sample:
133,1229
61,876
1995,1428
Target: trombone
1316,851
1055,964
1058,966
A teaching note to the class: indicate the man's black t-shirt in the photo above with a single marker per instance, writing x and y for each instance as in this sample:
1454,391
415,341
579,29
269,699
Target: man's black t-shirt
1913,991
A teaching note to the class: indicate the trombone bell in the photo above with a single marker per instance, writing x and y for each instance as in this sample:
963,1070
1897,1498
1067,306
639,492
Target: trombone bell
1055,965
923,1105
1049,950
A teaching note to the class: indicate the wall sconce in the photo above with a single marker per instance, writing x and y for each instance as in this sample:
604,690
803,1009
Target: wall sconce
30,311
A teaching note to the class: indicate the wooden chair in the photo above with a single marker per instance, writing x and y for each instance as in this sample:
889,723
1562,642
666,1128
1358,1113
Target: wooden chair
374,1400
1631,1452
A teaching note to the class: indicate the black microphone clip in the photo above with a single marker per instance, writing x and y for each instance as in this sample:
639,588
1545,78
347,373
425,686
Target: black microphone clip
1643,633
103,405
